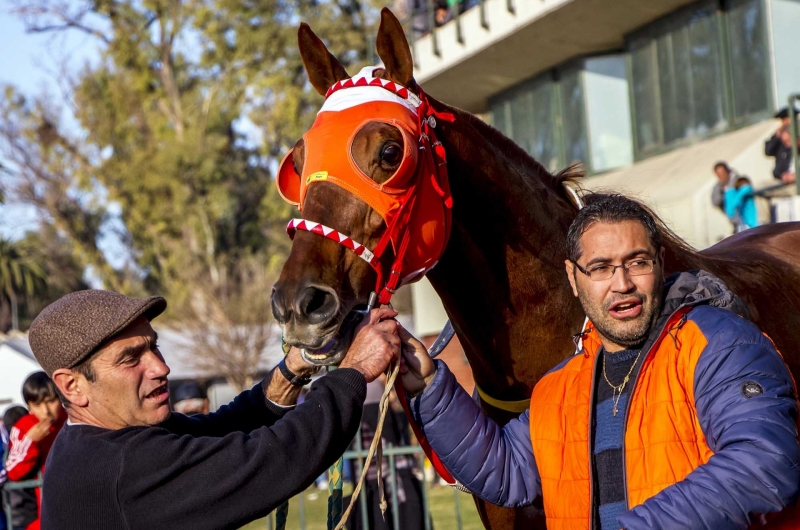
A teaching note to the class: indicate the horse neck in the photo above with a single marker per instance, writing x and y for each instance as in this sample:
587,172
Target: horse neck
502,278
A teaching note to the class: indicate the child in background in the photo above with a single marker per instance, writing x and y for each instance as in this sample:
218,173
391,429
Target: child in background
33,435
740,206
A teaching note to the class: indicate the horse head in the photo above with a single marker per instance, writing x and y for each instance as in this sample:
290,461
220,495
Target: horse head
370,181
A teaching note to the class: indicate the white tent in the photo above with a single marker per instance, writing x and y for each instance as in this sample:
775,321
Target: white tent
16,364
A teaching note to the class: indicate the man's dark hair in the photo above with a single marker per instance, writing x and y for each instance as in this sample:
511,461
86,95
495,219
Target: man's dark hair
608,208
12,415
722,164
38,387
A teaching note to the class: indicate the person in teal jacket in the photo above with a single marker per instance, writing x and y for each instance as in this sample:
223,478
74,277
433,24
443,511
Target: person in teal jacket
740,205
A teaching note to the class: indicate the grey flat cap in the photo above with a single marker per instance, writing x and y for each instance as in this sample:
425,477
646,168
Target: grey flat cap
67,331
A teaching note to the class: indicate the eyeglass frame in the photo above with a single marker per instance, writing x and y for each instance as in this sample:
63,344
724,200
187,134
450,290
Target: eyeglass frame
652,261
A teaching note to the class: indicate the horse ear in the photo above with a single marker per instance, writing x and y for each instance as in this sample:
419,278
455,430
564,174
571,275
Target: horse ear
323,69
393,49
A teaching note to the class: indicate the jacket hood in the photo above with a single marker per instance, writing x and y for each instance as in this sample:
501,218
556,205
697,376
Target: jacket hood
699,287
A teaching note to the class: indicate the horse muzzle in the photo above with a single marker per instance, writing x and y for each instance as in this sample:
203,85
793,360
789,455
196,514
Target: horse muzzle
311,320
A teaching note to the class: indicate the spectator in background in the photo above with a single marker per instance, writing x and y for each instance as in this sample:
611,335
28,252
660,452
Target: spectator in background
726,178
34,434
779,146
190,399
740,205
22,503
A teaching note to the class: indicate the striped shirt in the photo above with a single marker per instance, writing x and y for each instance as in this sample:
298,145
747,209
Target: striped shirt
608,433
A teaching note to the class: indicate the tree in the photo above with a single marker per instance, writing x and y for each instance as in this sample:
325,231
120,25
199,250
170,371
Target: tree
20,275
165,158
230,331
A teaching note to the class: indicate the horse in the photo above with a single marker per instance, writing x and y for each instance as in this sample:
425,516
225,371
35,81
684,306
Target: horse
501,274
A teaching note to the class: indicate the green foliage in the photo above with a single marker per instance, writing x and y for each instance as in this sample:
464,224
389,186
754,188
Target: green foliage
20,272
160,133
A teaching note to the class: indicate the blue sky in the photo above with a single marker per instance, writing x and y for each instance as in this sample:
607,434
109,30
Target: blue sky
31,62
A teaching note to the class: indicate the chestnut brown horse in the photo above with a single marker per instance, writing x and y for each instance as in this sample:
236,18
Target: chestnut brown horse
501,276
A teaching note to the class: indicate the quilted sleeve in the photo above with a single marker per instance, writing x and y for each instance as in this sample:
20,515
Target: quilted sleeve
496,463
747,407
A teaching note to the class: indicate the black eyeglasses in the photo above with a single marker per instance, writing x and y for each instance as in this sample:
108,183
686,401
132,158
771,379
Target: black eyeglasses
634,267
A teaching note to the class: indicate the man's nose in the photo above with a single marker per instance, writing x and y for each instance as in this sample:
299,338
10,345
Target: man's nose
621,280
156,367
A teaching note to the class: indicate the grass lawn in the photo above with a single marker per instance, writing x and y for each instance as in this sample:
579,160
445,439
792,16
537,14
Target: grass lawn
442,499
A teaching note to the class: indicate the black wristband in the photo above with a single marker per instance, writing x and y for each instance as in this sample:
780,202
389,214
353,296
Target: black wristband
291,376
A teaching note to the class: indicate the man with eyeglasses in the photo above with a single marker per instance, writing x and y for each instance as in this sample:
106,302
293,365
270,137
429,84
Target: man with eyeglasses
675,412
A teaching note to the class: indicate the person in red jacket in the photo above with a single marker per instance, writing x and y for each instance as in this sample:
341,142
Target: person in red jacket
33,435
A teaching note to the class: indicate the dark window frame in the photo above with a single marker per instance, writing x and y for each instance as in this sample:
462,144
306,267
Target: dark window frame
648,36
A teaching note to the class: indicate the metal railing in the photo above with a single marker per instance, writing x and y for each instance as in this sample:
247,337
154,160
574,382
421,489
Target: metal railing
12,486
390,453
427,12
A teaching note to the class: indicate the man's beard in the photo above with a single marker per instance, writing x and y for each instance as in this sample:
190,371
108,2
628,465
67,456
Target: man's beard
626,333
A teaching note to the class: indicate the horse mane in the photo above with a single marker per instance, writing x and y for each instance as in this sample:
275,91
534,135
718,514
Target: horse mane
533,173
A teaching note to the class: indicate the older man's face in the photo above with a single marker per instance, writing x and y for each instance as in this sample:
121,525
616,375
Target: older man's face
624,307
130,386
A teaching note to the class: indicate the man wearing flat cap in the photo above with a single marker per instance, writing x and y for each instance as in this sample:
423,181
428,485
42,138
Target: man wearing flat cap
124,460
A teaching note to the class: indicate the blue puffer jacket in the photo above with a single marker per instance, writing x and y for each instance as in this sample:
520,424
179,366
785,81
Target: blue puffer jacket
755,467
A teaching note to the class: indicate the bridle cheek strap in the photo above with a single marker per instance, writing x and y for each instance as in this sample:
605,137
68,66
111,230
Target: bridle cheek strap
372,257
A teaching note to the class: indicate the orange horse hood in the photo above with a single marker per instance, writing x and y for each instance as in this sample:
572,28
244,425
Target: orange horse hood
414,202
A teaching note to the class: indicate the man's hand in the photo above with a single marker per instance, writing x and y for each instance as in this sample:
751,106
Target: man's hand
297,365
416,366
39,431
375,345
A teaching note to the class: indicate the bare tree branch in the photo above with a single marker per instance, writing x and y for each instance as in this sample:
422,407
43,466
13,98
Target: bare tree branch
61,13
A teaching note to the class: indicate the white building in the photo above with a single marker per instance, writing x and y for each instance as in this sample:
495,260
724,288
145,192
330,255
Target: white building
16,364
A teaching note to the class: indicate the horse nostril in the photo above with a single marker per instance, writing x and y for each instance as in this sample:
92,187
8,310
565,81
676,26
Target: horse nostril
279,309
317,305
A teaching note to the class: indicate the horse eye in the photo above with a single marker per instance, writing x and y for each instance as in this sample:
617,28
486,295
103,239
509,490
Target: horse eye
392,154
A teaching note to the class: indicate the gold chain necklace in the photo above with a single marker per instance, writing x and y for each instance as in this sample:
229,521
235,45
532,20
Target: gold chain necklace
616,390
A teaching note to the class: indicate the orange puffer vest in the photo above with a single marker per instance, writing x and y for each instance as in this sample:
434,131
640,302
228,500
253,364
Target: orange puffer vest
657,453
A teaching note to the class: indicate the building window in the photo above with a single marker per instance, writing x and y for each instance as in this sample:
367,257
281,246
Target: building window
578,113
573,117
527,114
679,84
749,57
677,80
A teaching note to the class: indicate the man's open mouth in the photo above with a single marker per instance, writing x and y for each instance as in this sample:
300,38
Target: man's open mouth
161,393
628,308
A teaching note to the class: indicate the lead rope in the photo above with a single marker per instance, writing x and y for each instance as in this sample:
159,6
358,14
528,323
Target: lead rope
376,445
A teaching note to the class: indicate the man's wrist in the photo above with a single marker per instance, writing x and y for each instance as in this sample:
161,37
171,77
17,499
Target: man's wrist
293,378
298,366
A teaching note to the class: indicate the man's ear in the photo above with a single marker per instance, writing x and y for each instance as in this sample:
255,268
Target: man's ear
571,275
70,388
